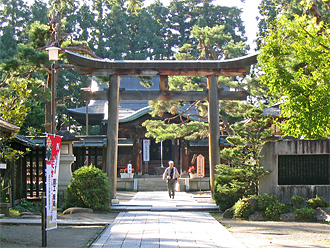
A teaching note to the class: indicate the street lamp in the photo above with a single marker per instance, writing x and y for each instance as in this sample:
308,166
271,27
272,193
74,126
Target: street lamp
53,57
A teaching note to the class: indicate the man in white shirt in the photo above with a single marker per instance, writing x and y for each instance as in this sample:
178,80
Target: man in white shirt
172,175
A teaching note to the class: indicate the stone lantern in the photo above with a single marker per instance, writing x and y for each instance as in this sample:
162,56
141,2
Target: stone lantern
66,159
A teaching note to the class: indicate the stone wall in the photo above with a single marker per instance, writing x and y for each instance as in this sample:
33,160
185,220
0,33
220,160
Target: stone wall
271,150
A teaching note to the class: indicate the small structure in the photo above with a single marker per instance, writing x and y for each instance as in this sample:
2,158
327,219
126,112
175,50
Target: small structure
15,175
66,159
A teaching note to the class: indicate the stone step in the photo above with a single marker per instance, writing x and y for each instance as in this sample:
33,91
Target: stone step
151,184
158,184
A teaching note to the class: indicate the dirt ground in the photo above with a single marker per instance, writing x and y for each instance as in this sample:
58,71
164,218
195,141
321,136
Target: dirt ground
253,234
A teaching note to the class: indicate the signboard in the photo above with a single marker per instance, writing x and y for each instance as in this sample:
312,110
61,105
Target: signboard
200,165
53,148
146,150
3,166
129,168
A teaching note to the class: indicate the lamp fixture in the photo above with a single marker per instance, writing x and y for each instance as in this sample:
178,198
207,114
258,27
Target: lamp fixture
53,53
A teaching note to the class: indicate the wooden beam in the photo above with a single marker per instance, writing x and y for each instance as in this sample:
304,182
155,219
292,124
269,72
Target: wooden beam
163,72
103,67
214,129
163,95
155,65
163,83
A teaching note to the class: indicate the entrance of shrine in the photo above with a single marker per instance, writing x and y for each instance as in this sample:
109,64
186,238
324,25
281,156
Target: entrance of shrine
211,69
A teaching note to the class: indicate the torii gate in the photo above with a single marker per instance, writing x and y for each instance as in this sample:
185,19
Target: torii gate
211,69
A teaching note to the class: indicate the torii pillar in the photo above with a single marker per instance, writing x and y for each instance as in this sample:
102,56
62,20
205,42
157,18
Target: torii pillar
112,133
214,136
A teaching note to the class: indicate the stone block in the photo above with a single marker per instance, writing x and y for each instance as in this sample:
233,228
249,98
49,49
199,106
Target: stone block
258,216
323,214
287,217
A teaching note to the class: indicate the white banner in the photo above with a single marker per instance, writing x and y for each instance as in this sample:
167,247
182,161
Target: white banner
146,150
53,148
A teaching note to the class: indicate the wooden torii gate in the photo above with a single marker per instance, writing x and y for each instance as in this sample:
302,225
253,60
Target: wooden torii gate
211,69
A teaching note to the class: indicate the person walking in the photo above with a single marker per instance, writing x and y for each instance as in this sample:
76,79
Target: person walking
172,175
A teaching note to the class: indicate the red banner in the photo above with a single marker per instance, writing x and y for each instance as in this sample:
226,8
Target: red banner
53,148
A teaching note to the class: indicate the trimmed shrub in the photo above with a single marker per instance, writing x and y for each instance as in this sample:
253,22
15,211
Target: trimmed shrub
266,200
298,202
317,202
274,212
230,186
242,209
89,188
270,205
305,214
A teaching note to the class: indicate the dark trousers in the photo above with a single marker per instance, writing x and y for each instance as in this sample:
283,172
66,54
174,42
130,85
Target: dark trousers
171,186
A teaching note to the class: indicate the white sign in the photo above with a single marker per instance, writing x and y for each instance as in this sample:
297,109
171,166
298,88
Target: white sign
3,166
200,165
129,168
146,150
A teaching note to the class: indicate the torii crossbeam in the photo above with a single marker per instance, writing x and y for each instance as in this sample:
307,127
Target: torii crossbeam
211,69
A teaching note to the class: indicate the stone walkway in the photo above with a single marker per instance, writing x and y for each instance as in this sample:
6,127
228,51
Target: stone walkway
160,201
164,225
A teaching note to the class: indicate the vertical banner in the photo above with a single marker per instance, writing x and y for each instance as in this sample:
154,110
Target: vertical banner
146,150
53,147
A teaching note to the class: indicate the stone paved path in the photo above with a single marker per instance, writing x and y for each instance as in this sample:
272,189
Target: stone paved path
165,226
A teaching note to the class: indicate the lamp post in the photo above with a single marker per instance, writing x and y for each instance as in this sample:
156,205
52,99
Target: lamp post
53,57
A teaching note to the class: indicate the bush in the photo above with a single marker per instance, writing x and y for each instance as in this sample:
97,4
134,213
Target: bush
230,186
274,212
31,206
242,209
304,214
297,201
266,200
317,202
89,188
270,205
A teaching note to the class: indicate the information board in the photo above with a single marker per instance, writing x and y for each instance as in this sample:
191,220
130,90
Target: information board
200,166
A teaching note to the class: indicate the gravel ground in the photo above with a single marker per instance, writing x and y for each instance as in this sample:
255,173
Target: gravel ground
19,236
253,234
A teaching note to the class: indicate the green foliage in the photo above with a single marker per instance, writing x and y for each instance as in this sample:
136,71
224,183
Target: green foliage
214,43
161,131
38,34
317,202
230,186
89,188
294,59
298,202
266,200
305,214
241,178
270,205
25,205
242,209
273,212
14,212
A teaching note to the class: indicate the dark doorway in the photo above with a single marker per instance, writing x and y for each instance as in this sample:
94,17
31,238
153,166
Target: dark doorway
155,150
